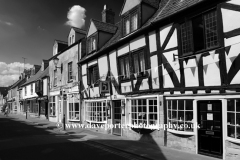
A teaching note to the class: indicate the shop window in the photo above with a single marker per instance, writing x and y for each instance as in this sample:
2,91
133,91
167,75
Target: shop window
233,118
199,33
124,67
144,112
52,103
74,110
180,115
96,111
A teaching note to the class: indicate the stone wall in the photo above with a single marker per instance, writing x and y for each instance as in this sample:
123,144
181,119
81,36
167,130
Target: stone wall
181,142
232,151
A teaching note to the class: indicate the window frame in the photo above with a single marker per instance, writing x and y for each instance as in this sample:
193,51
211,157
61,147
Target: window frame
142,73
55,77
70,77
122,78
177,118
90,109
52,105
205,48
235,125
128,16
147,113
71,112
90,44
90,74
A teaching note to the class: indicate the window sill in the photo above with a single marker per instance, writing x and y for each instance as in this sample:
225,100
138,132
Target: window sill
104,122
180,132
233,140
73,120
53,116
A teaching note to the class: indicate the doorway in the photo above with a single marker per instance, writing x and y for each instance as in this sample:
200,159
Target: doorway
210,136
117,117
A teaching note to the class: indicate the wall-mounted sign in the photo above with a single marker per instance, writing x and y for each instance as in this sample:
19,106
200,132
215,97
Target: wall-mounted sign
209,116
104,87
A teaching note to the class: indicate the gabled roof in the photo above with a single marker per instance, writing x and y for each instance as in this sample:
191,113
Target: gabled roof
45,73
61,42
130,4
166,8
78,30
17,83
106,27
33,78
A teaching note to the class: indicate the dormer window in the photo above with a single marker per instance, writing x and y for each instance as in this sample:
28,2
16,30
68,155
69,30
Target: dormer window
130,23
92,44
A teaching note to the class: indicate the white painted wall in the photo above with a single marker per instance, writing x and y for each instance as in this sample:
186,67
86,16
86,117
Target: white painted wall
45,87
152,42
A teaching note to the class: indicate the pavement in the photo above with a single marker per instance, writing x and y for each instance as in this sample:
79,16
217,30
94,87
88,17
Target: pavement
124,145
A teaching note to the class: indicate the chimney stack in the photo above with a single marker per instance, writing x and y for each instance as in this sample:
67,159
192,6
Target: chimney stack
108,15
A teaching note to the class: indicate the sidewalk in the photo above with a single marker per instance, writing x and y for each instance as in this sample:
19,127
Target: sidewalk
146,150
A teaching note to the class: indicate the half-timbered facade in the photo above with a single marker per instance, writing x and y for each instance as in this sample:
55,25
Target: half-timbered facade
173,62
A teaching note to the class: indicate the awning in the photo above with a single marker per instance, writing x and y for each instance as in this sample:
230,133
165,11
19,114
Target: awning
31,99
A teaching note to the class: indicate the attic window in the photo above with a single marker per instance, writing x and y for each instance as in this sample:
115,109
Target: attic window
92,44
130,23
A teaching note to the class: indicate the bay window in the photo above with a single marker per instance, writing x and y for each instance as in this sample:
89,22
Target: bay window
144,112
96,111
180,115
233,118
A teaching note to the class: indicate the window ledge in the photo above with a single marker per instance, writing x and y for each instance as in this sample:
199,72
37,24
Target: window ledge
53,116
233,140
73,120
95,121
180,132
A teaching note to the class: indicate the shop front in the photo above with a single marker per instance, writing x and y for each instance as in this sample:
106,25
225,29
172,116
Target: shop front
43,107
208,125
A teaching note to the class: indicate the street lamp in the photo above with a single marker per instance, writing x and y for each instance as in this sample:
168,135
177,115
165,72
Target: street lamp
55,61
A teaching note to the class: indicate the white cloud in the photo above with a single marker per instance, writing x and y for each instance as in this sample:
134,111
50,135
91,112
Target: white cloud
9,73
76,16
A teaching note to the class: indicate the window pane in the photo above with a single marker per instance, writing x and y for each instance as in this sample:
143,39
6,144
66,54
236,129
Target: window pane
127,67
127,26
189,104
231,131
122,67
238,119
198,32
136,65
174,104
186,36
238,105
142,61
134,21
231,118
189,116
238,133
230,105
180,104
211,36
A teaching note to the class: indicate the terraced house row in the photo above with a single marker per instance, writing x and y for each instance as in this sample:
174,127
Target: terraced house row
172,62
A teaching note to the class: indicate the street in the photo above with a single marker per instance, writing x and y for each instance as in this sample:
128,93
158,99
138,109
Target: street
21,140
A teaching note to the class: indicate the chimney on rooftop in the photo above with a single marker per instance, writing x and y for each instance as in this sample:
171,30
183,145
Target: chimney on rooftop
108,15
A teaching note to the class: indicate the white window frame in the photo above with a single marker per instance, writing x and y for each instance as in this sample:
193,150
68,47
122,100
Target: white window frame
148,125
87,112
178,131
74,101
51,102
235,126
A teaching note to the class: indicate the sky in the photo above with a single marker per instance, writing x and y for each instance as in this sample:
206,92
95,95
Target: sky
28,29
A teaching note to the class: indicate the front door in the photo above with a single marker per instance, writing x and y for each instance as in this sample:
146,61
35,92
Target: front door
117,117
210,131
